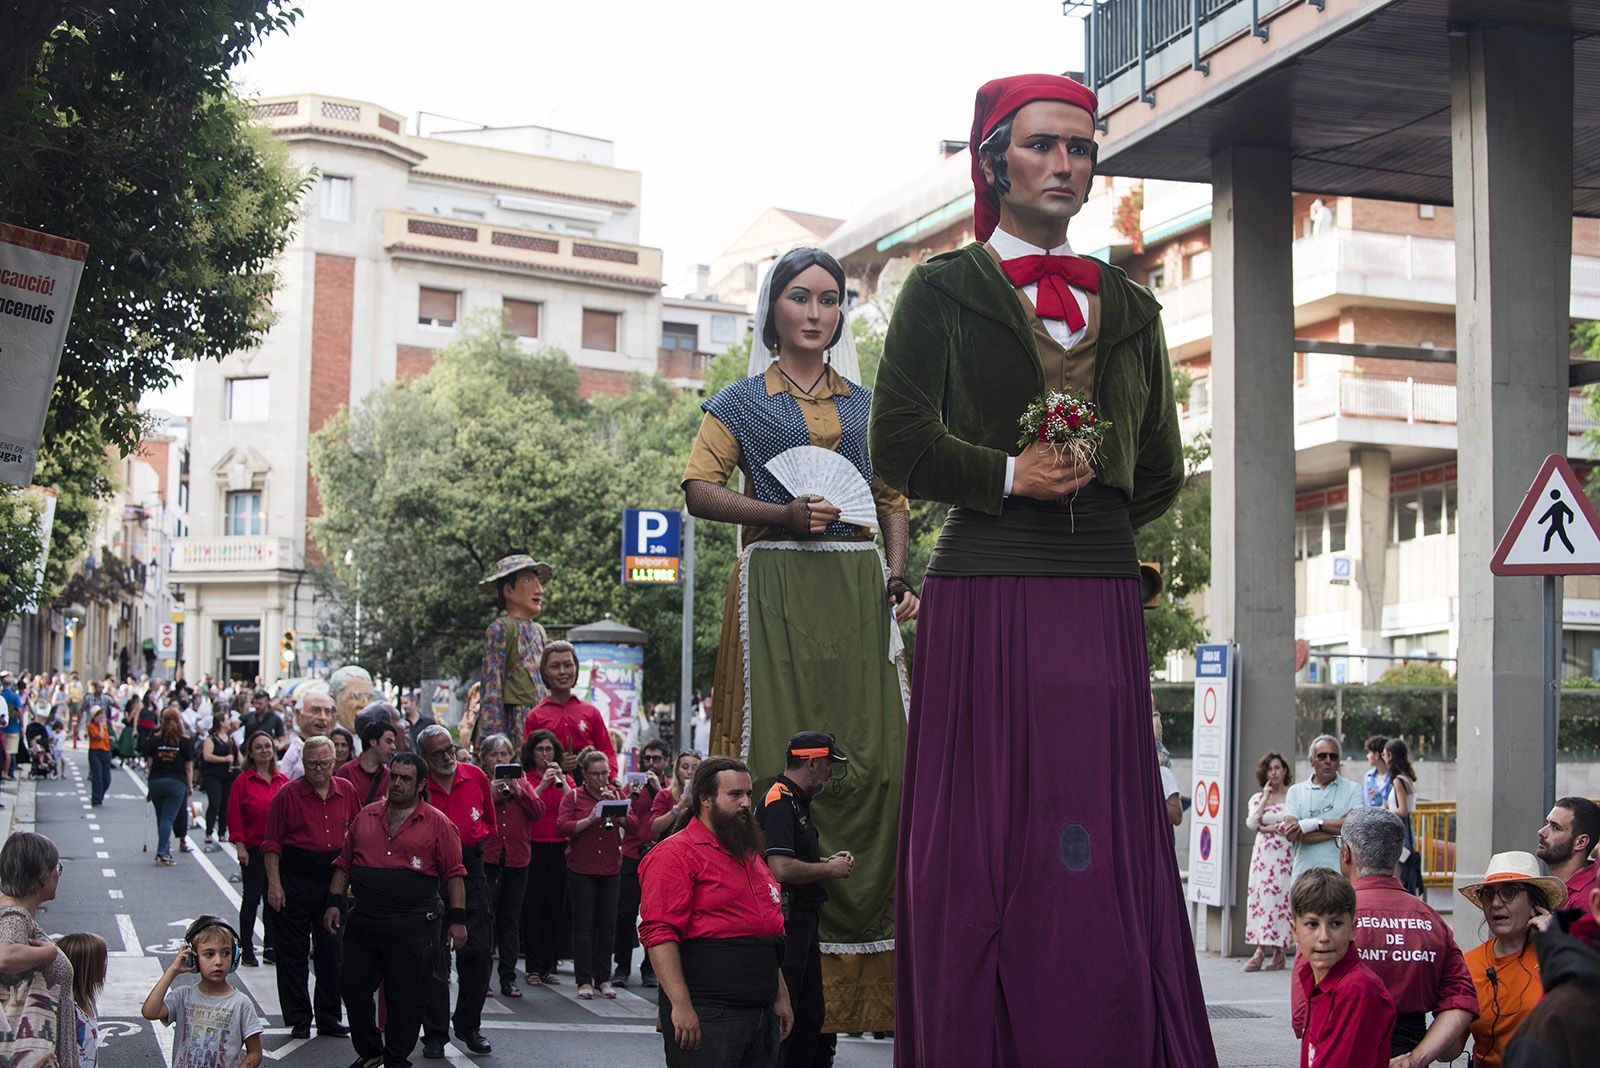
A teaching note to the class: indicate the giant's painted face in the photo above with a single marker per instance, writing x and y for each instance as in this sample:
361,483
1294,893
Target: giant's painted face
356,695
1050,162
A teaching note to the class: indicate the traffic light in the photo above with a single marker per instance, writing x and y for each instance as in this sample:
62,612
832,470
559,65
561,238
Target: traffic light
1150,583
286,647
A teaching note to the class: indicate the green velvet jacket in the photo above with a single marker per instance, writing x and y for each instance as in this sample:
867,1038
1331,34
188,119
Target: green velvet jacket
960,365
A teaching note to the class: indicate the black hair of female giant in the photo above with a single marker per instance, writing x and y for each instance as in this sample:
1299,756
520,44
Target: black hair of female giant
789,266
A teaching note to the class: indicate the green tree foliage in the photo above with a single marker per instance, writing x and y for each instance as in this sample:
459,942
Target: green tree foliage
21,523
492,452
123,131
1181,542
1418,673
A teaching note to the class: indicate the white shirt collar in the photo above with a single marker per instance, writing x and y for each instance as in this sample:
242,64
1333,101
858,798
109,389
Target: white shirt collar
1008,247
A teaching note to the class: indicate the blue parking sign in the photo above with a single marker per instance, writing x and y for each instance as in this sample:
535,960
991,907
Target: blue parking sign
651,546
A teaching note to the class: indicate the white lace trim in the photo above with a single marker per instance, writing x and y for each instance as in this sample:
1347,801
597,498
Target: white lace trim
847,948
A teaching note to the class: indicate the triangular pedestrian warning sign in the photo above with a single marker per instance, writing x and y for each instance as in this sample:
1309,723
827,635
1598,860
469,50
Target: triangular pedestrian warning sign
1555,531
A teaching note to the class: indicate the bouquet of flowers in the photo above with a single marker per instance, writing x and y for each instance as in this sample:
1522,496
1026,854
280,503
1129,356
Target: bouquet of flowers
1068,423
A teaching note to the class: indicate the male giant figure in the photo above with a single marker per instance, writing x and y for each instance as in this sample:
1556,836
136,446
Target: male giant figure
1014,881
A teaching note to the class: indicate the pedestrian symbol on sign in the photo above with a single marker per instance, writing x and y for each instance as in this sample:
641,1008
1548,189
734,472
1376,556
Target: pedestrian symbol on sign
1558,515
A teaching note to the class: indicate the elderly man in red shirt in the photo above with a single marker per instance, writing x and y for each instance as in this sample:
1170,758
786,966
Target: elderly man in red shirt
1406,943
399,853
710,916
461,792
305,831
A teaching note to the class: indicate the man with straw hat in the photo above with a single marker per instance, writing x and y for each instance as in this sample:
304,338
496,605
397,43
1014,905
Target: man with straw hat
1516,901
512,645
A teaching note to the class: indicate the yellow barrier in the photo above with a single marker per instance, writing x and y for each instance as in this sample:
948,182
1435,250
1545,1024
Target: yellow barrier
1433,824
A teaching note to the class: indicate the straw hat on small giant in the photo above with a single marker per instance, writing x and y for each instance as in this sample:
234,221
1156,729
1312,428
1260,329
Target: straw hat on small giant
1516,867
510,565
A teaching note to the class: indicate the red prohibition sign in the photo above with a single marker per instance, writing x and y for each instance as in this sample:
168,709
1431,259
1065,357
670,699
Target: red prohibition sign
1208,704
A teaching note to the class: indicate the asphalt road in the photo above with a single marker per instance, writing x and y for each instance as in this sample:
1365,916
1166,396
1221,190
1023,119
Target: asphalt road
112,887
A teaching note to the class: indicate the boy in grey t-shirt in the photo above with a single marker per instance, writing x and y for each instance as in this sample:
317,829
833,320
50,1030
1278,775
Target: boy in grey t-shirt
214,1025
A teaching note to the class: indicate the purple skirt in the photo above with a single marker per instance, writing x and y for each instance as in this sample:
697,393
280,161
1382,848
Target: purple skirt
1039,908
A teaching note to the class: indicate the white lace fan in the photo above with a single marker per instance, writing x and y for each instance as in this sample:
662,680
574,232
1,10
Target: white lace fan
811,469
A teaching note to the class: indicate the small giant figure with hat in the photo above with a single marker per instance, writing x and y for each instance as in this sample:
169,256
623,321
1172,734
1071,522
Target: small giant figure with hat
512,645
1017,878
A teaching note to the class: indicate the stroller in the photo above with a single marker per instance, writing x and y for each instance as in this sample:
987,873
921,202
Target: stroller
42,763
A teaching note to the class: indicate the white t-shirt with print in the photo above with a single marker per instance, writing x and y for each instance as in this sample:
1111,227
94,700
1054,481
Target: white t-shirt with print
210,1032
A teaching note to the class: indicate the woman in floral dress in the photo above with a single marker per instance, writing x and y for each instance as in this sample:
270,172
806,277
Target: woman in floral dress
1267,924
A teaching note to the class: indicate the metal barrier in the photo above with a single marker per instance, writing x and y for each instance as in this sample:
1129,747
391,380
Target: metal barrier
1433,824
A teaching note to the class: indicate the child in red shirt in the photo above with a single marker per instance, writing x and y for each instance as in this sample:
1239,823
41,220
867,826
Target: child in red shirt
1350,1013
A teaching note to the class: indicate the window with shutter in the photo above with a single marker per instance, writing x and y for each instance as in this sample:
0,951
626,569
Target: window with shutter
600,330
522,317
437,307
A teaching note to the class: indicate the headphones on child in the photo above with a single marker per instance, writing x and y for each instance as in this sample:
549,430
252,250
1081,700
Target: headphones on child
213,921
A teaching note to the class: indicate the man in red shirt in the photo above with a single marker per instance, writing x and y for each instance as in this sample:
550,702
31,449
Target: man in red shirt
369,772
1568,836
397,855
653,758
461,792
305,830
1408,946
710,917
1349,1012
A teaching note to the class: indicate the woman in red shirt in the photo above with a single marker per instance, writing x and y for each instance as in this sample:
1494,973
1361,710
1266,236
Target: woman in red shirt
594,866
249,798
506,855
546,891
576,724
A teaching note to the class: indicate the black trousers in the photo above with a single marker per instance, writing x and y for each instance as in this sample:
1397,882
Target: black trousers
541,906
806,1046
627,936
506,889
301,941
474,963
729,1038
594,915
216,788
393,952
252,888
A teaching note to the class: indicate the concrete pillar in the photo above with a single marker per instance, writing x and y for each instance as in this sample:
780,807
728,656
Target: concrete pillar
1511,128
1367,543
1252,468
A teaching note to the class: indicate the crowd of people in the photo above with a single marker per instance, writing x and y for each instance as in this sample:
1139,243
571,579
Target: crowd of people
1335,864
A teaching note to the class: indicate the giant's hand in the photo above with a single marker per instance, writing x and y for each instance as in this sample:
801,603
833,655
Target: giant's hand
1042,474
810,513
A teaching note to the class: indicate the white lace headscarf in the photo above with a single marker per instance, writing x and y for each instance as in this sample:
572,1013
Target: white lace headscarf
842,357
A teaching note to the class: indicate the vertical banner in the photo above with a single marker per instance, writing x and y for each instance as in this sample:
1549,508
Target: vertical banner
611,677
39,277
1210,826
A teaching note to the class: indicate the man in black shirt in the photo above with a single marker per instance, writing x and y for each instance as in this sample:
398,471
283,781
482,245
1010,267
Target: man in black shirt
261,717
794,855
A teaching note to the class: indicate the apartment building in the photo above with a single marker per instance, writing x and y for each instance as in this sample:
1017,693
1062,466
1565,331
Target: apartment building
1376,554
402,237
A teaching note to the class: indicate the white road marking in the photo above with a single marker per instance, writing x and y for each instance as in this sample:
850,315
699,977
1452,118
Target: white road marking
130,938
586,1028
102,855
95,827
116,895
98,841
109,873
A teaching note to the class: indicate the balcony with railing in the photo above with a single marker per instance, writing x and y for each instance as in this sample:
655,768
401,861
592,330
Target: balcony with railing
1380,398
242,553
1361,265
416,234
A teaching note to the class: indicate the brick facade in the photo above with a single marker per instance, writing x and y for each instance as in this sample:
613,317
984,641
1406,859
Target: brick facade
332,315
594,382
411,362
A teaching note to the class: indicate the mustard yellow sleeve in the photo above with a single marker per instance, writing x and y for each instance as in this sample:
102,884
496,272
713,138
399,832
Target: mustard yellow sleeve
716,453
887,498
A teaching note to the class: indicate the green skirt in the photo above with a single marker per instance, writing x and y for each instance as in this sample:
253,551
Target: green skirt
814,646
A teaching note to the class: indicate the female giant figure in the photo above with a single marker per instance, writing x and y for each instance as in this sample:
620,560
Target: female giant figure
1034,850
809,633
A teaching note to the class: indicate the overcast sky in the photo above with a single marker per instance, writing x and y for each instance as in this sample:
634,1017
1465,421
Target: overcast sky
727,107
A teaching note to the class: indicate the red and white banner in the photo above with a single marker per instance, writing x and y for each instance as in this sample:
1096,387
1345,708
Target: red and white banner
39,277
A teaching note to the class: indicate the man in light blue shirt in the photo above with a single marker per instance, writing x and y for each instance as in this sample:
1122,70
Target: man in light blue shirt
1317,808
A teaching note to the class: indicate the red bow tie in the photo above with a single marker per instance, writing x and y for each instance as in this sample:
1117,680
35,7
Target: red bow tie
1054,274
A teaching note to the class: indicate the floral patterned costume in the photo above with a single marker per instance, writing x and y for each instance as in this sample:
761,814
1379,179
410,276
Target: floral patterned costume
1269,919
